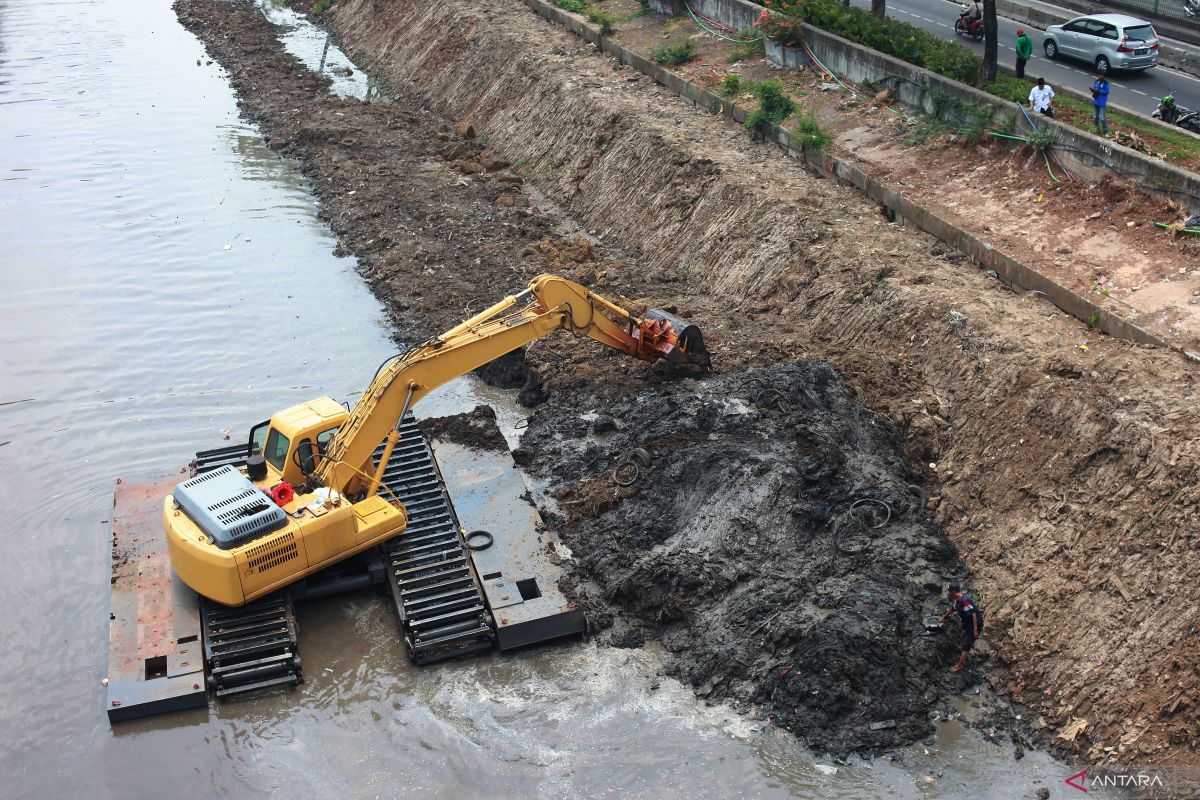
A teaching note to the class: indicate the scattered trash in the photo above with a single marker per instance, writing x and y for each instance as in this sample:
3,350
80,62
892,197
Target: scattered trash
882,724
829,87
1072,730
228,247
225,432
825,769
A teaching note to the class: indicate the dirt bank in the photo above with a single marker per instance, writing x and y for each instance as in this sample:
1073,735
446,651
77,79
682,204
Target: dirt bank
770,541
1061,462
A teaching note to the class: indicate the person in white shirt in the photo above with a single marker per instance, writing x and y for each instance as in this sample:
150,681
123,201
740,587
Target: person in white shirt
1040,98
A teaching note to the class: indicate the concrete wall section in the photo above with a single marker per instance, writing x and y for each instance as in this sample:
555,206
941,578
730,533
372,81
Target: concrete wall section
1009,270
913,86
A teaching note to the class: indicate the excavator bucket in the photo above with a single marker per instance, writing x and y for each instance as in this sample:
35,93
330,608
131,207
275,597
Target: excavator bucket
678,340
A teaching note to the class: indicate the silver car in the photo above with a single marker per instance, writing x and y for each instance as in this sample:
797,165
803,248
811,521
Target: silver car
1107,41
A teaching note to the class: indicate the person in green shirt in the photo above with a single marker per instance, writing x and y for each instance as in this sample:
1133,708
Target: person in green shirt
1024,51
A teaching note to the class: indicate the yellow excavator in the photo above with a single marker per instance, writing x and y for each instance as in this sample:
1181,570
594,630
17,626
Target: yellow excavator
309,495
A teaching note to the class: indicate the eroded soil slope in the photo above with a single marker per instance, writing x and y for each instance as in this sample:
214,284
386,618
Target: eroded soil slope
1064,474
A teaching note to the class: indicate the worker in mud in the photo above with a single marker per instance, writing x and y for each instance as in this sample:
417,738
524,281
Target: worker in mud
972,620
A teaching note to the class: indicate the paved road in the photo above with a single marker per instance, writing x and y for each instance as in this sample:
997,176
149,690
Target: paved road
1137,91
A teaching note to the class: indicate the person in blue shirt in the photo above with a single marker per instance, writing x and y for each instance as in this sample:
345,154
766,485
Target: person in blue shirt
972,620
1100,104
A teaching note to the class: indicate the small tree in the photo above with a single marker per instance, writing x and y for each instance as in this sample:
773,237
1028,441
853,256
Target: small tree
987,71
878,8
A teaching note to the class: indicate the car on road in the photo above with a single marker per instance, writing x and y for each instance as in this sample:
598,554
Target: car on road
1106,41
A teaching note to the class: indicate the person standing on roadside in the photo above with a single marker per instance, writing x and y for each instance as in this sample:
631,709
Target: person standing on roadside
972,620
1041,98
1024,51
1100,104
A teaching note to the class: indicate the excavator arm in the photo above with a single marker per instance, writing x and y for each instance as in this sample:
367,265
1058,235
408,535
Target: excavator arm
548,304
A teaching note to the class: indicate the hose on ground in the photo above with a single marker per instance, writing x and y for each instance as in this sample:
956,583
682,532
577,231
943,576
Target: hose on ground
886,507
718,30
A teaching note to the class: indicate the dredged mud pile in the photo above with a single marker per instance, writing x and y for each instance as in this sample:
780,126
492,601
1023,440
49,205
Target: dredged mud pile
770,538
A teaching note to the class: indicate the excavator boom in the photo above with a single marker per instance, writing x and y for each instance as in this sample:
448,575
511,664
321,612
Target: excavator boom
548,304
235,537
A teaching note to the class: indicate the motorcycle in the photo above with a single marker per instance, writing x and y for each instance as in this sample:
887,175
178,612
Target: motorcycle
1173,114
1191,8
973,28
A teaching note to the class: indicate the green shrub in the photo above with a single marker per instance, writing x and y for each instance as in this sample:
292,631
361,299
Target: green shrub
732,84
774,100
1010,88
676,53
1043,140
605,20
809,133
886,35
574,6
320,7
774,106
760,124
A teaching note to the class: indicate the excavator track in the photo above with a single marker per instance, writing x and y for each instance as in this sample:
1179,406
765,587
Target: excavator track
250,647
432,579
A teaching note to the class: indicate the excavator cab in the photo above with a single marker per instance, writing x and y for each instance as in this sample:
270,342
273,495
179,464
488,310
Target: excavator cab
292,441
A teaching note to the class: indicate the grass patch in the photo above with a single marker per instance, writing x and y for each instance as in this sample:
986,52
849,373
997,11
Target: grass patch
629,16
809,133
675,53
320,7
574,6
744,51
951,115
605,20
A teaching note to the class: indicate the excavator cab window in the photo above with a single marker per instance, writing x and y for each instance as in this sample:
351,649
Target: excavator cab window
324,438
276,449
258,438
304,456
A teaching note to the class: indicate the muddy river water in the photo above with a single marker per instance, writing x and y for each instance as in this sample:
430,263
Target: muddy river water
165,277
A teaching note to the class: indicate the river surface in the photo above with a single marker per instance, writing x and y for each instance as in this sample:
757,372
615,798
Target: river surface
165,278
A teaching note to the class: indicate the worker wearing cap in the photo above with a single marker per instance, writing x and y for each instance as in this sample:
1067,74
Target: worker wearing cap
972,620
1024,51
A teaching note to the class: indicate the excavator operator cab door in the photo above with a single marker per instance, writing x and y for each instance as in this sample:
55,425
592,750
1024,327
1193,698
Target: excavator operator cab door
307,456
258,438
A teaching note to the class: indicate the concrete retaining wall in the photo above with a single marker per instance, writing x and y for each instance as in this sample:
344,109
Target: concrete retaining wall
913,85
1009,270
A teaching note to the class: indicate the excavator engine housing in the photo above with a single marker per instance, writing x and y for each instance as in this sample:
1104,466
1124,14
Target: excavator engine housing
228,508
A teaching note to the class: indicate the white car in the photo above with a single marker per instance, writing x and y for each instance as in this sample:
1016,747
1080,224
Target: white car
1106,41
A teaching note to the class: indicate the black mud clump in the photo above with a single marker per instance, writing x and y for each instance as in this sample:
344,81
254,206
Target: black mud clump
476,429
511,371
770,538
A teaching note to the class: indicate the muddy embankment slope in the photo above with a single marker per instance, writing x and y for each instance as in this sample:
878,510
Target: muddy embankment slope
1063,474
1062,463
